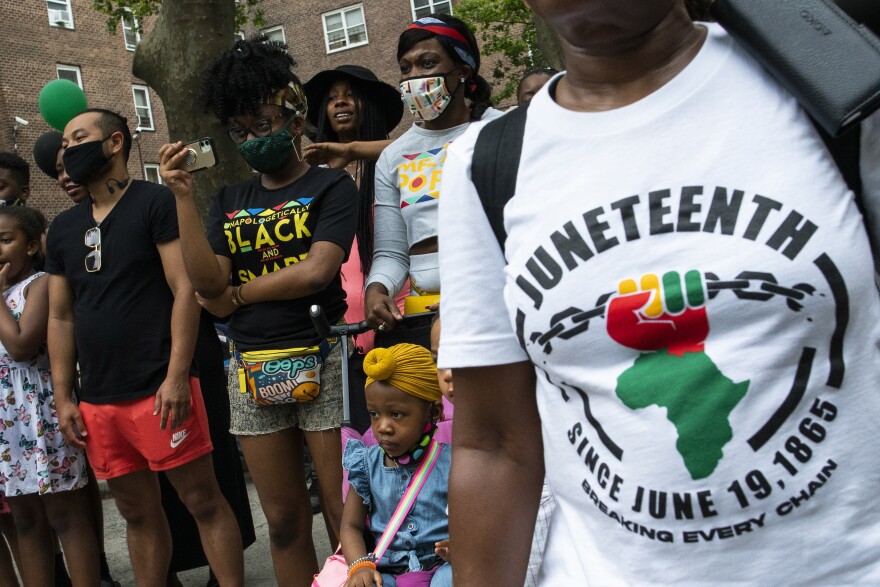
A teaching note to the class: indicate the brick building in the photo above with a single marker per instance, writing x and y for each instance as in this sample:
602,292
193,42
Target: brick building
47,39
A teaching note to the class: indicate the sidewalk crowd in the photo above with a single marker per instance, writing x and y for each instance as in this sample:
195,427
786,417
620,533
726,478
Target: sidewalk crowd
659,333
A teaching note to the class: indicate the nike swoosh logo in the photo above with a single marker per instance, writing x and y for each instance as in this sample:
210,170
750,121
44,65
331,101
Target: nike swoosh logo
175,442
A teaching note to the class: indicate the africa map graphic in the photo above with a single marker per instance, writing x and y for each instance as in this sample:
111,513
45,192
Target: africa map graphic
671,328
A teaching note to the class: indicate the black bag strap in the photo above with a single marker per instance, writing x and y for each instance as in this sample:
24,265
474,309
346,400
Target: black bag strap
495,166
846,152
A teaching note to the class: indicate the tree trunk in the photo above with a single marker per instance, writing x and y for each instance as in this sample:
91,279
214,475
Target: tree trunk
548,42
186,36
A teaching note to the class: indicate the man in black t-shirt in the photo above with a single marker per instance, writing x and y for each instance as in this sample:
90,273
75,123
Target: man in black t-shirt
121,303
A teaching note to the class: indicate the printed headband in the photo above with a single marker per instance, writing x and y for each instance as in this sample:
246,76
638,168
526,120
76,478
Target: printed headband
452,36
291,97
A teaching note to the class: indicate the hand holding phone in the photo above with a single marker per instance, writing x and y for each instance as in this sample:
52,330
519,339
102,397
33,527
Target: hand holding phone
200,154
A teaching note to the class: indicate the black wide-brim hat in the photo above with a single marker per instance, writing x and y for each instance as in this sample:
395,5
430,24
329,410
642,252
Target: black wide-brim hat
387,97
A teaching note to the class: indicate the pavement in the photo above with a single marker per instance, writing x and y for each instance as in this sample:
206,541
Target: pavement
258,570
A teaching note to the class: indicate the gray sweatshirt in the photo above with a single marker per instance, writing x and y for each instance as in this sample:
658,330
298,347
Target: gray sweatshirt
408,176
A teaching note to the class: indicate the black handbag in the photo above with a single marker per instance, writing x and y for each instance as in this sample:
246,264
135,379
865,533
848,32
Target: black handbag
828,61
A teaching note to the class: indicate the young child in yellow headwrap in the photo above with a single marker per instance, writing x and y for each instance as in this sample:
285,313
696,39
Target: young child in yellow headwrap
403,400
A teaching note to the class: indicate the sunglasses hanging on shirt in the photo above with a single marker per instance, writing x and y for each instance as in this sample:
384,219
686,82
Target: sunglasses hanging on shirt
93,241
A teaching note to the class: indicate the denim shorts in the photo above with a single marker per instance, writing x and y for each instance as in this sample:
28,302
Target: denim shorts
322,413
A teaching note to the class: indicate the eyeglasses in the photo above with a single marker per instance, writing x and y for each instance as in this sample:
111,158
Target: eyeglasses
93,241
260,128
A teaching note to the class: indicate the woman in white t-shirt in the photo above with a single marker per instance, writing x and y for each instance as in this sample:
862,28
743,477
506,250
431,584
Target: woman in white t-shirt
682,327
441,86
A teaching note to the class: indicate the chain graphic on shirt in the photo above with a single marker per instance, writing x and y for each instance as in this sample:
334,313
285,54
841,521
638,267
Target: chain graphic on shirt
748,285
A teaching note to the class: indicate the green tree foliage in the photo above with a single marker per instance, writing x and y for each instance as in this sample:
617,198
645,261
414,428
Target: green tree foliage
245,11
506,30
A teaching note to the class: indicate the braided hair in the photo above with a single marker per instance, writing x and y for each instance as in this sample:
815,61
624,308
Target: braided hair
240,78
371,127
479,92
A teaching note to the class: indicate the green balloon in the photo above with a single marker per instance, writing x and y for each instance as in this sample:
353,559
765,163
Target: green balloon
61,100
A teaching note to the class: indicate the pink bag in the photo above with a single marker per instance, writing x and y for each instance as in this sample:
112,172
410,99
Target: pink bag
334,573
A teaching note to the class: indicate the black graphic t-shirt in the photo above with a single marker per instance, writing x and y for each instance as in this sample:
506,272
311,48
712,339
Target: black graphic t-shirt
122,313
265,230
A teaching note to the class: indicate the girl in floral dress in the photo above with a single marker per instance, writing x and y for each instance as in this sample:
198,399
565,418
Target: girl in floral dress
40,476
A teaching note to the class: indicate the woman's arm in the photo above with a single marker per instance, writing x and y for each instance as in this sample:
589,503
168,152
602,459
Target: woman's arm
498,459
339,155
22,338
305,278
207,273
351,536
390,253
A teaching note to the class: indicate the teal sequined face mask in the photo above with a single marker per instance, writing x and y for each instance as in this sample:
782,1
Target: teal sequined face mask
269,153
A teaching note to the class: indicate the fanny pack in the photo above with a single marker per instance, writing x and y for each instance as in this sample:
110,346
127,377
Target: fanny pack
417,304
283,376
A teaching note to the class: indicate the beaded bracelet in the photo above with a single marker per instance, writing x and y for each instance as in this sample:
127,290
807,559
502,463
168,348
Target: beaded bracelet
369,557
361,563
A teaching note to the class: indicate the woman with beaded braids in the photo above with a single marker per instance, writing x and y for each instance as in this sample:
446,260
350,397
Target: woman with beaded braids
274,247
440,84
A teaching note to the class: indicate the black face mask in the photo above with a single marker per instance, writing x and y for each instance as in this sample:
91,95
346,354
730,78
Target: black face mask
82,162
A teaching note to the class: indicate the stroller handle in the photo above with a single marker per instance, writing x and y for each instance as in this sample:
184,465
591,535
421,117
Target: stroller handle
325,330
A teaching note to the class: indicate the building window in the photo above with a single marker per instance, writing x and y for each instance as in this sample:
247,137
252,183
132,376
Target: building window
345,28
151,173
142,107
276,33
60,14
70,72
422,8
130,31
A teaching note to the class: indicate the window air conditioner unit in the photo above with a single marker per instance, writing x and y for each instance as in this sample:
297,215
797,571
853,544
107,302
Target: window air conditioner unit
59,17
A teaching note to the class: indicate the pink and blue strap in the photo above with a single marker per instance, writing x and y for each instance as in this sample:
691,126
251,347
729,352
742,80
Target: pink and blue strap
409,498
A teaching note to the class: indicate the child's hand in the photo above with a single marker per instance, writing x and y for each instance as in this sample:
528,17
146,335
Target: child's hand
365,577
4,272
441,549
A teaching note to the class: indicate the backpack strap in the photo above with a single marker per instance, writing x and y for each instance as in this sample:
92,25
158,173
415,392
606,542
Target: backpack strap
495,166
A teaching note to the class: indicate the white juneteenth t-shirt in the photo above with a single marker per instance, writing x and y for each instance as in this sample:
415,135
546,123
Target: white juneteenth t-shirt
693,283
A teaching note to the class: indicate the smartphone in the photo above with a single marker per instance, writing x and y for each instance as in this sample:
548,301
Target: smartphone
200,154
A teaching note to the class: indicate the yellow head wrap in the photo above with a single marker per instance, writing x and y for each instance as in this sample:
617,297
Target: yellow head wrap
408,367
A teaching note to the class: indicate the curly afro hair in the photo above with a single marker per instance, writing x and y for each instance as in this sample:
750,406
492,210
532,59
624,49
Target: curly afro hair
239,78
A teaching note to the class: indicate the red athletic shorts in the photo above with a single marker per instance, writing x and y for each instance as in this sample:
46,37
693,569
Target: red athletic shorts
125,436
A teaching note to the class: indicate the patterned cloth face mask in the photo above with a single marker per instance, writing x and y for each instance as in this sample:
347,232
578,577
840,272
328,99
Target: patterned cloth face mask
426,97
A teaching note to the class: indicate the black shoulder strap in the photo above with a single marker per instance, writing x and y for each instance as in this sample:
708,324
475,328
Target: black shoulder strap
495,166
845,150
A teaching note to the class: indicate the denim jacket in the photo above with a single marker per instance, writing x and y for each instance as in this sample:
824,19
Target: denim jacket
381,489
